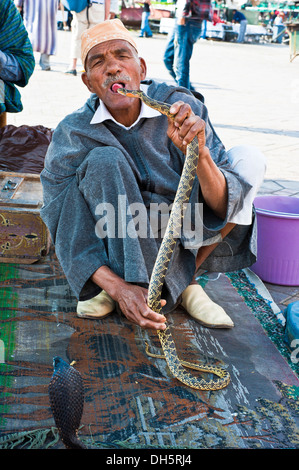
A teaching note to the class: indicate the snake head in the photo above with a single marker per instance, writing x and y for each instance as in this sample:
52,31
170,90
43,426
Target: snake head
122,91
125,92
59,363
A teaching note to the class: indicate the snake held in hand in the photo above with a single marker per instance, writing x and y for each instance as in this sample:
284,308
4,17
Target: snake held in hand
172,232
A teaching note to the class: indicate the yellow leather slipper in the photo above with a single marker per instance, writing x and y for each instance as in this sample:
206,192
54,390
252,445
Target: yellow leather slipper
203,309
98,307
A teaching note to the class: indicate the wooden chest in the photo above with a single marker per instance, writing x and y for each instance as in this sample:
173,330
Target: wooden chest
24,237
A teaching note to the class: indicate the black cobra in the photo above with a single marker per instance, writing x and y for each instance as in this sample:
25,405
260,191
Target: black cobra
66,393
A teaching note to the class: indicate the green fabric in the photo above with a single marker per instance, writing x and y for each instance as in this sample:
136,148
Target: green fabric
14,40
263,313
8,302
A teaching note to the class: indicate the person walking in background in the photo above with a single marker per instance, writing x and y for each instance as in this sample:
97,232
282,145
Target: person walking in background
145,26
239,17
114,9
16,58
39,18
190,16
66,15
278,28
168,57
94,13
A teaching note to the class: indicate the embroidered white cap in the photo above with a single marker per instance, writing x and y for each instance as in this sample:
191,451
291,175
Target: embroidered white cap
108,30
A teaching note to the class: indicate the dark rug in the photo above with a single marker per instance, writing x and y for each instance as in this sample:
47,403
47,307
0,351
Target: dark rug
131,400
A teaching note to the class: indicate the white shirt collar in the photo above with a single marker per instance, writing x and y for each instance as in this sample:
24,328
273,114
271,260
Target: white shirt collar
102,114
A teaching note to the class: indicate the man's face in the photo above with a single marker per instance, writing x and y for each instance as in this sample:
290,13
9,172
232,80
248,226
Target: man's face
110,64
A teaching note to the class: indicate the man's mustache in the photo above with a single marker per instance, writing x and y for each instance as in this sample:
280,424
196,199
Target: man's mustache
116,78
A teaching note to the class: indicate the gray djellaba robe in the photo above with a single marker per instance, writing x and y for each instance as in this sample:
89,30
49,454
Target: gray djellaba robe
96,173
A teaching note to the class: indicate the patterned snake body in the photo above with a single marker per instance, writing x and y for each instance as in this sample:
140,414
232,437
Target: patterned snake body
169,241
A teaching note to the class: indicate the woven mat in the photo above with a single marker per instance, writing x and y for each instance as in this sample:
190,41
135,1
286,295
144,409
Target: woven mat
131,400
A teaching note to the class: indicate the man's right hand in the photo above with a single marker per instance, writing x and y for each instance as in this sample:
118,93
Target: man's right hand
132,299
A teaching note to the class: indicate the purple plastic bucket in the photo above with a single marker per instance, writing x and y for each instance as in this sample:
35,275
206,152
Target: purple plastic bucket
278,239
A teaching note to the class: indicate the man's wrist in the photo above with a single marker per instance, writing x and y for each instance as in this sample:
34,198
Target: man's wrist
204,153
110,282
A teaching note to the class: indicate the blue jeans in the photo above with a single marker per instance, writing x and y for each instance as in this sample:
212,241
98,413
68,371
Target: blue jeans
242,31
168,57
204,29
145,27
277,29
185,37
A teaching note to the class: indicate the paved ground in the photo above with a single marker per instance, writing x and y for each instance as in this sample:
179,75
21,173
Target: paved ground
251,90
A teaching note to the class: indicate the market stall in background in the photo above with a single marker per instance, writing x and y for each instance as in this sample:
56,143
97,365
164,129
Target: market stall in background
267,21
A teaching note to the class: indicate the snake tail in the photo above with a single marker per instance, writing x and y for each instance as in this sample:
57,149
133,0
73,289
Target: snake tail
66,393
177,367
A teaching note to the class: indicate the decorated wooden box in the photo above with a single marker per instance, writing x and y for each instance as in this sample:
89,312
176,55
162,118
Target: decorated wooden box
24,237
